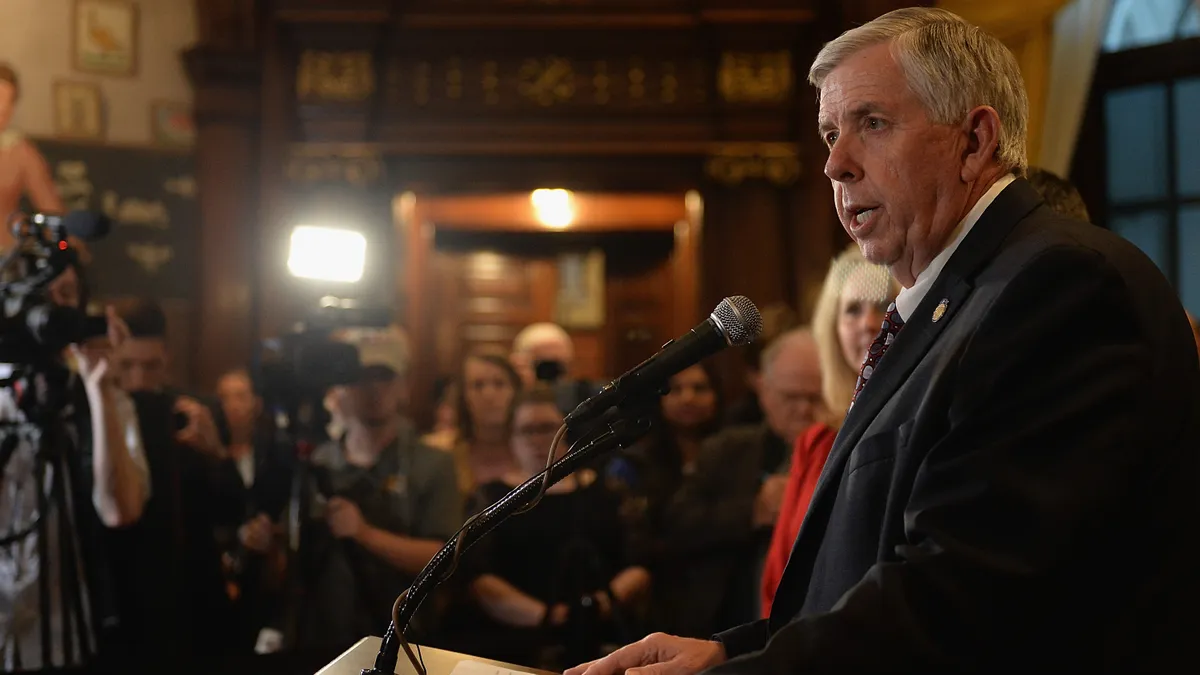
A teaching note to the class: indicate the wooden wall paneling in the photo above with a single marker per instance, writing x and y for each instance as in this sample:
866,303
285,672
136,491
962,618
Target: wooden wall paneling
685,267
641,310
418,254
593,212
272,303
226,79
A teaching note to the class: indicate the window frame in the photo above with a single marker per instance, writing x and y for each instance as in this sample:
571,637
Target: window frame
1164,64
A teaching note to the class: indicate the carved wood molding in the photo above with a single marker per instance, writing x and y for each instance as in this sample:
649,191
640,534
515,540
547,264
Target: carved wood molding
758,77
333,164
736,163
335,75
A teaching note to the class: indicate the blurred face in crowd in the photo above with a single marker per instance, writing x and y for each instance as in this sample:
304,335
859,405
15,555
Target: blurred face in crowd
895,174
534,426
861,308
548,348
239,402
445,417
690,402
488,392
8,101
375,400
791,388
142,364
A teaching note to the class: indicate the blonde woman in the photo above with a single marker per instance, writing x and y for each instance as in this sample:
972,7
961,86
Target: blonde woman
846,320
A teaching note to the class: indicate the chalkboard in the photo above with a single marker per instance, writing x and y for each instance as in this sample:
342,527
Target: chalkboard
152,249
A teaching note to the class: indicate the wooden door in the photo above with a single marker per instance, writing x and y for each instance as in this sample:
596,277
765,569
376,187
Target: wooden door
475,279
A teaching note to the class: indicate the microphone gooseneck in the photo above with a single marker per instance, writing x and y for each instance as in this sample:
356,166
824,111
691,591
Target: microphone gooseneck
734,322
614,418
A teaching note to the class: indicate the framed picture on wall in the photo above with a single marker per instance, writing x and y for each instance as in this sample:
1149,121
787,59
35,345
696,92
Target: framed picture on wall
171,124
78,111
104,37
579,303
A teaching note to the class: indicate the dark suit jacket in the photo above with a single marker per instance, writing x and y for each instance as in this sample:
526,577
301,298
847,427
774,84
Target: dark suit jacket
707,579
1017,486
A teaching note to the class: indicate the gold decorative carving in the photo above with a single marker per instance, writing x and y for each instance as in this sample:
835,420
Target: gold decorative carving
547,81
668,84
637,79
491,83
421,83
454,79
736,163
150,256
755,77
335,76
353,164
600,82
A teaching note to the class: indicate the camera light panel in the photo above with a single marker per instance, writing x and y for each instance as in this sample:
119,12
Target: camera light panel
327,253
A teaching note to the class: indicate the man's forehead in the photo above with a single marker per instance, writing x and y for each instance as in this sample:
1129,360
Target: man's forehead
868,78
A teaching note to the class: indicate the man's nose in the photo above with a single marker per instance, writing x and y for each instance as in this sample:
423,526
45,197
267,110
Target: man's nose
842,165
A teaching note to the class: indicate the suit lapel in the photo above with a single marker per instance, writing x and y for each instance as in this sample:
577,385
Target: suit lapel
911,345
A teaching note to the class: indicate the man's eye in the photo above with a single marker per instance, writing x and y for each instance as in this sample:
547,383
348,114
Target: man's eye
874,123
830,138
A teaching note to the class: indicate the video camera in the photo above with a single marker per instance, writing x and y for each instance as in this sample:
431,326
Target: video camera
32,328
296,369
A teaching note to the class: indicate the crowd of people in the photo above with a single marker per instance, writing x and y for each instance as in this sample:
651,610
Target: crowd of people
218,537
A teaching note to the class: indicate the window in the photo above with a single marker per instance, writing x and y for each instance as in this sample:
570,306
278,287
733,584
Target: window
1140,23
1145,94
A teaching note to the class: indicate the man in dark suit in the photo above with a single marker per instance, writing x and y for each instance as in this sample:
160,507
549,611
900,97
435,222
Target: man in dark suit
1016,486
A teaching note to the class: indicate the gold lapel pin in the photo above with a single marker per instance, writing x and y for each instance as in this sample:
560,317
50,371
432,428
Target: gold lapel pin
940,310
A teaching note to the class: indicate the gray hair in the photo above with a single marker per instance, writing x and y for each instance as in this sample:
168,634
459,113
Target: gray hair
795,336
540,332
951,65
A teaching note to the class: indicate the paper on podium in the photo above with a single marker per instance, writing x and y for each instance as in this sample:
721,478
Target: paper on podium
437,662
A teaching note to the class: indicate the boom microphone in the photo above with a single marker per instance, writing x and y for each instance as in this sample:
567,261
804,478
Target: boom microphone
735,322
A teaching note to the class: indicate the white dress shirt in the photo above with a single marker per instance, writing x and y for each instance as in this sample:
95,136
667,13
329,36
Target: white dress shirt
909,298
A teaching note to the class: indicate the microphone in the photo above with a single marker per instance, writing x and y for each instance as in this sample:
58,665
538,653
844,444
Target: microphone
735,322
86,225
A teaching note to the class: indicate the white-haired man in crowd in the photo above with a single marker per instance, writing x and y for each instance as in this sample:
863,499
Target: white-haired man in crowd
1017,484
545,352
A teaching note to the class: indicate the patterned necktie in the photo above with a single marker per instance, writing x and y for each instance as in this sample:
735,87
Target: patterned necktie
892,323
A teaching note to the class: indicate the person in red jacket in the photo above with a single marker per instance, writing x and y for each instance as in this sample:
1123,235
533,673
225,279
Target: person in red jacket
849,312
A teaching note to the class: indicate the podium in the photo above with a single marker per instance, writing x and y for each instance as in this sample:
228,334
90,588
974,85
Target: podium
437,662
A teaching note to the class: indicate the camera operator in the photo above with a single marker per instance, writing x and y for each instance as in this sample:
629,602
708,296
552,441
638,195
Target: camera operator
56,592
380,504
544,353
175,606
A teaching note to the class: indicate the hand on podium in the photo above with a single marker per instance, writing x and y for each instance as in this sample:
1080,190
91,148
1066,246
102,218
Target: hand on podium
657,654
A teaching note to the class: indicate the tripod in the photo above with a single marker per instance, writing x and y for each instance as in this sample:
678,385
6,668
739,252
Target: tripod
41,468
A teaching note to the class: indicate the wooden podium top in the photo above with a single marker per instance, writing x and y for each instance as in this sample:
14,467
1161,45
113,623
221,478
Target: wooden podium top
437,662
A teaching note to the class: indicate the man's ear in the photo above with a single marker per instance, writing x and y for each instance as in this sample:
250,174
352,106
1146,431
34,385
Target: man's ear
982,128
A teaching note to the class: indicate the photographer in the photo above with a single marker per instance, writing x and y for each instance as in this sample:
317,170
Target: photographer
174,602
73,466
379,505
544,353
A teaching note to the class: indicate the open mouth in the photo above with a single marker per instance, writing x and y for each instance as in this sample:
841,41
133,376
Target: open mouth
861,216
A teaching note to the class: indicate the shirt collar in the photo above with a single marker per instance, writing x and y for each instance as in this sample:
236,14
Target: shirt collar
909,298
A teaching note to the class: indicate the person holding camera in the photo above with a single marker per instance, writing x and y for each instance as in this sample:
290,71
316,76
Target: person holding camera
171,582
545,353
378,505
71,471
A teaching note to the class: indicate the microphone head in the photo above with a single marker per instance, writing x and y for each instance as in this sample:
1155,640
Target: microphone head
738,319
87,225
